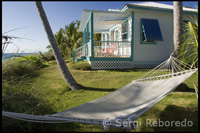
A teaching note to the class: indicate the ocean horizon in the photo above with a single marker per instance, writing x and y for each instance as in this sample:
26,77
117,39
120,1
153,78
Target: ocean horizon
8,55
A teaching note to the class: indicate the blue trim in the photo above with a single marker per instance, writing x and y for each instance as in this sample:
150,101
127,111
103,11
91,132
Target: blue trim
132,35
84,37
87,21
87,58
73,55
161,10
92,35
88,33
113,41
125,9
108,59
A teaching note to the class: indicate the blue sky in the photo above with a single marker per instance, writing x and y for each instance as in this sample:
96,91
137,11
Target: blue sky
24,15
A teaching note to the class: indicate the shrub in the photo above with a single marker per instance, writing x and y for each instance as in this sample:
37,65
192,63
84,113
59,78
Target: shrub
31,59
48,56
83,65
16,68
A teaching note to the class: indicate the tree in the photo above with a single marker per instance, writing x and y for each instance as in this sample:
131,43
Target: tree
73,36
178,28
69,80
97,37
60,40
189,48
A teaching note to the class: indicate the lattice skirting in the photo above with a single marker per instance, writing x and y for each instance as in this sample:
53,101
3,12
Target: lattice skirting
123,64
146,64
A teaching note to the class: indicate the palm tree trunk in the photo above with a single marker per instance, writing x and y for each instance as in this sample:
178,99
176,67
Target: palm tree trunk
178,26
69,80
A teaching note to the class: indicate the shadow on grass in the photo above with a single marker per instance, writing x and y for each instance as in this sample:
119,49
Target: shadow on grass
184,88
176,113
98,89
122,70
129,70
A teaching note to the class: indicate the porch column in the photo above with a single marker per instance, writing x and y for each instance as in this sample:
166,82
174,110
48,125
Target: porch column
73,55
84,37
88,34
132,34
92,35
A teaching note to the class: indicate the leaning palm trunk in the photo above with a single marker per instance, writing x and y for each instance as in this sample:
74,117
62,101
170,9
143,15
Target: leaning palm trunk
69,80
178,28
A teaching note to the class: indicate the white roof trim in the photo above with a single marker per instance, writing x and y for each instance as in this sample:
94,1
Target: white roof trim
155,5
102,11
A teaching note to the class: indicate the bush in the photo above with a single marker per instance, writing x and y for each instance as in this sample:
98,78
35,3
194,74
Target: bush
18,67
31,59
48,56
82,65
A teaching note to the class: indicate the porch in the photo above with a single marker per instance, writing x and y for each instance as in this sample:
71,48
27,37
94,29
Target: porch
105,51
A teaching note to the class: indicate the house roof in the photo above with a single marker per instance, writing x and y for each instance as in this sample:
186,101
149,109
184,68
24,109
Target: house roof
154,5
104,20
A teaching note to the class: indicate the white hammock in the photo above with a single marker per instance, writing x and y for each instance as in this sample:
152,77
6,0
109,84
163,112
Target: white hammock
126,103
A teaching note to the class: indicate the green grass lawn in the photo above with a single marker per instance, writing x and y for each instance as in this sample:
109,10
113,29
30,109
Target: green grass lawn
47,93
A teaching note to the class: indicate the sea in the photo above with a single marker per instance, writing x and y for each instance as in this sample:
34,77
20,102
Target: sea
6,56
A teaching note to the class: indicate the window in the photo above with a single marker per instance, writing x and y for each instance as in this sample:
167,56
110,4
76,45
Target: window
116,35
150,31
125,31
107,36
103,37
112,35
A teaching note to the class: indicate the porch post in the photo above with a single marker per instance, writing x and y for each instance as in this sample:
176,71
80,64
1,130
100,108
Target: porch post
84,37
92,35
73,54
132,34
88,32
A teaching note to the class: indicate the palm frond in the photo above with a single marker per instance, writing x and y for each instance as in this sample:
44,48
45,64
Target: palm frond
189,48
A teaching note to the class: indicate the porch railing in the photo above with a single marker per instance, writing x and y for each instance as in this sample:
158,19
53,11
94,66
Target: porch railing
104,49
112,49
80,51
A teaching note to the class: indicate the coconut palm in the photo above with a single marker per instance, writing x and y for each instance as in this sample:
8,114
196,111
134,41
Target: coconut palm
178,20
189,48
69,80
73,37
60,40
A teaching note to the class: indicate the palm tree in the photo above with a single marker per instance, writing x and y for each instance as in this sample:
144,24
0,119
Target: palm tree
69,80
97,37
73,37
189,48
60,40
178,29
